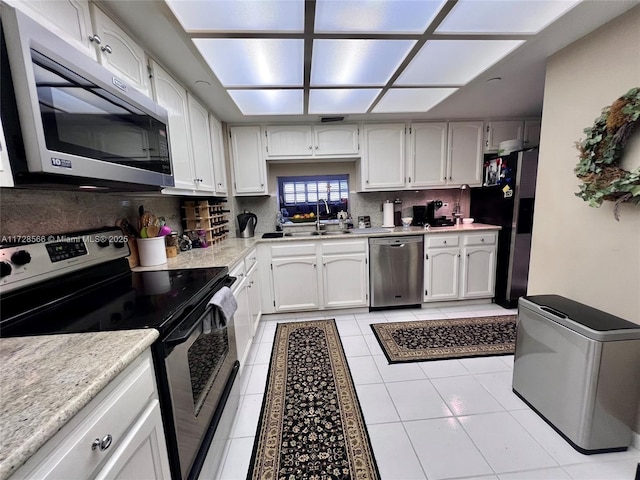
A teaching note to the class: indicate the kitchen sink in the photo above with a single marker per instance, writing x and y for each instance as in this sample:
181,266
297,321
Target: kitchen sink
315,233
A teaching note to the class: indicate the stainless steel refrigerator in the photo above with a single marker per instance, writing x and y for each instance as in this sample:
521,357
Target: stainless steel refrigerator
507,199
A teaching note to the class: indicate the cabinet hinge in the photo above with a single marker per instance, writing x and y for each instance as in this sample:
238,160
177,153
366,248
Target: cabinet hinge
272,266
149,71
426,292
366,261
274,303
366,296
426,257
267,148
409,130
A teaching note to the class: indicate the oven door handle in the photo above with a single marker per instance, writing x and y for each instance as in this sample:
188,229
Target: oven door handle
182,336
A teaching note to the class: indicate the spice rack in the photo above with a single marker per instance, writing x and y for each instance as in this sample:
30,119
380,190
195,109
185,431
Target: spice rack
206,218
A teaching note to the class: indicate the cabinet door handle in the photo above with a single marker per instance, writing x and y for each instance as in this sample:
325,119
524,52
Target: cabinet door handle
95,38
444,241
107,49
317,147
409,179
482,239
310,147
102,444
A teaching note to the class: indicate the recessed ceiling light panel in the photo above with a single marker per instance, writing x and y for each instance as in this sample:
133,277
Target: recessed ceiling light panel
268,102
239,16
411,100
356,62
245,62
375,16
341,100
499,16
454,62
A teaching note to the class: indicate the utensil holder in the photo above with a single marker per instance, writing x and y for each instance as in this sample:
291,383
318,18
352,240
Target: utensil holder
151,251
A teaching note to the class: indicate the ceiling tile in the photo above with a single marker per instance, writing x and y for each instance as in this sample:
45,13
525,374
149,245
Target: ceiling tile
498,16
245,62
408,100
356,62
375,16
454,62
341,100
240,16
268,102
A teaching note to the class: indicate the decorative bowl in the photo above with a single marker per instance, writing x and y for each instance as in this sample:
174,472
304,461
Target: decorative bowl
467,221
406,221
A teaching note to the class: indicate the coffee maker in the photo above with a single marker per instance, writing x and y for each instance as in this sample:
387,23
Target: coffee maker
430,214
432,219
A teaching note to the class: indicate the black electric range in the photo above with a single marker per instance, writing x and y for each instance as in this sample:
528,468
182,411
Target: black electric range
81,282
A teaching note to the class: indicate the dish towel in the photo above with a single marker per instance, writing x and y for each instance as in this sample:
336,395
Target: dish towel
227,306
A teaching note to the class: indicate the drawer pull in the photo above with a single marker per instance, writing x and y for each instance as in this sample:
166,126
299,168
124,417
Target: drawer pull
102,444
482,239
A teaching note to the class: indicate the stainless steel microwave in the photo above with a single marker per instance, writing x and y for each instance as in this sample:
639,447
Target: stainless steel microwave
70,121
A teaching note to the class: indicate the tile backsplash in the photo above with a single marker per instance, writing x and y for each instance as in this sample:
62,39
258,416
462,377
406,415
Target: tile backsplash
41,212
369,203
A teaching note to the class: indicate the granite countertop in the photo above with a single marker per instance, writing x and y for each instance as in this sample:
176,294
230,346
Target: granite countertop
46,380
230,251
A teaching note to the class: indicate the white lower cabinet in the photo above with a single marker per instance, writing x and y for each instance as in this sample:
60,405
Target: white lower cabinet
459,266
118,435
295,283
319,275
478,266
241,318
141,453
246,290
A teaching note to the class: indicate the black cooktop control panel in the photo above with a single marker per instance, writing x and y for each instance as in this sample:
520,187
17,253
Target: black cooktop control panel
64,250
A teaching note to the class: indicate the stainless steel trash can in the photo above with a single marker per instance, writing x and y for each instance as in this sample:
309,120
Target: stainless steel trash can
579,369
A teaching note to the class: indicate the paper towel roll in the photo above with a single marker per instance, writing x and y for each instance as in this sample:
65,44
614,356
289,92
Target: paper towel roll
387,215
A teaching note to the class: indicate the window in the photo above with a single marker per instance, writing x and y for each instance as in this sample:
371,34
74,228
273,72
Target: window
300,194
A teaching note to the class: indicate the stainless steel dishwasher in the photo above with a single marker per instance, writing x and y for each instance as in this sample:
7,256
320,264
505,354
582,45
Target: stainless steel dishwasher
396,267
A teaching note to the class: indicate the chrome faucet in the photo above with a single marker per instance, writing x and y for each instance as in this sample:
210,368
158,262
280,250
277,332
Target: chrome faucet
326,205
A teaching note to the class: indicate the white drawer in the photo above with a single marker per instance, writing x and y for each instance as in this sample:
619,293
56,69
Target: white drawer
74,456
480,239
441,241
293,249
250,260
344,246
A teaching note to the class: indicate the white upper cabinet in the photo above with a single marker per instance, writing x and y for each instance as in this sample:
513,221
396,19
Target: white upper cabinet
90,30
69,19
118,52
465,153
249,166
308,141
289,141
203,180
336,140
532,130
219,166
428,154
173,97
6,177
383,157
497,132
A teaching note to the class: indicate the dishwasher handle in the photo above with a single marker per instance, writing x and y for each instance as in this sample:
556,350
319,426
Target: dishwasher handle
396,241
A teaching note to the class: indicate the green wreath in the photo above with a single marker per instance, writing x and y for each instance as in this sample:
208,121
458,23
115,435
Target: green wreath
602,150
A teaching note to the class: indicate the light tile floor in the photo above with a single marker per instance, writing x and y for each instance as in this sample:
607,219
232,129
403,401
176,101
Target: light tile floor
432,420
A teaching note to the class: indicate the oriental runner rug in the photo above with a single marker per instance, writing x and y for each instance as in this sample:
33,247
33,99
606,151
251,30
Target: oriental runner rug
442,339
311,425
